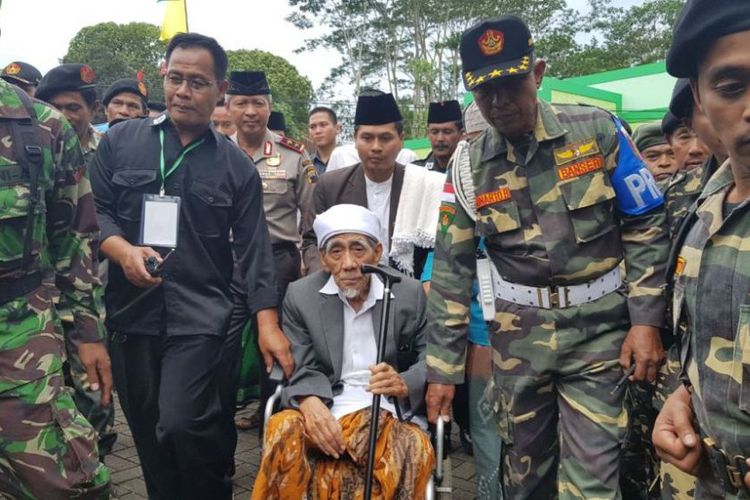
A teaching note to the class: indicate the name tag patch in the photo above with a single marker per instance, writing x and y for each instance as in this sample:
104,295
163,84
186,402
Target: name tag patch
574,151
272,173
484,199
581,167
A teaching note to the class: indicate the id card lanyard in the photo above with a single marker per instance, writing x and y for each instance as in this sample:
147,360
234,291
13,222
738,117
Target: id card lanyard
162,164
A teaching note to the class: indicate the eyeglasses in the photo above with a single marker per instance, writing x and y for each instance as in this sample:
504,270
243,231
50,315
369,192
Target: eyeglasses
196,84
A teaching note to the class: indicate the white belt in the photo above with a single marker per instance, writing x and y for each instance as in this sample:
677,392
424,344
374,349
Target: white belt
544,297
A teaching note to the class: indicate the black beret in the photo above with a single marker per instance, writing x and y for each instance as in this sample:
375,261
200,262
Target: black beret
670,123
125,85
444,111
681,104
248,83
73,76
276,121
156,106
377,110
495,48
698,26
19,71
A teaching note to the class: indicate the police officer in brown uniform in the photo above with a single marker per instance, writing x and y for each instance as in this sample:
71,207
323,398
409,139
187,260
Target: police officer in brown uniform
287,173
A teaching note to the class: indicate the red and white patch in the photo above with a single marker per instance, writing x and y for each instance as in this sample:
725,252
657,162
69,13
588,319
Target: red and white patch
449,194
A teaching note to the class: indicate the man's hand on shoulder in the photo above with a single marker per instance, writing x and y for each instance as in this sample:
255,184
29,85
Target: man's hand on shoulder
322,427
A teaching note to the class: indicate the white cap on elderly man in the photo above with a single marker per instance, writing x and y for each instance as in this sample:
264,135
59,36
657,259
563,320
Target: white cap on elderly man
346,218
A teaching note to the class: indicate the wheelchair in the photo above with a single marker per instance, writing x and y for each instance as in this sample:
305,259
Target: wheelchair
438,485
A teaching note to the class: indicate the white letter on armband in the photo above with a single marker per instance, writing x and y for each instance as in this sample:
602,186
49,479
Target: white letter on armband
636,186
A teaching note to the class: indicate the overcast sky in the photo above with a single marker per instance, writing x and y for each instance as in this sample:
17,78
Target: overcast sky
39,31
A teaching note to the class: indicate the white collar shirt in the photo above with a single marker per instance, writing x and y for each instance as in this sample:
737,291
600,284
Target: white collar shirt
379,202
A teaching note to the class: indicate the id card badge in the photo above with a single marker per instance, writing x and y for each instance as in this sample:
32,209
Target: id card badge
160,221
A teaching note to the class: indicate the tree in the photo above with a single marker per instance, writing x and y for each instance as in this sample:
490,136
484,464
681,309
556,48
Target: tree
292,93
117,51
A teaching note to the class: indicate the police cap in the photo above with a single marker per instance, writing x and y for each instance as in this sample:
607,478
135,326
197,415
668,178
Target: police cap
19,71
698,26
248,83
444,112
125,85
495,48
73,76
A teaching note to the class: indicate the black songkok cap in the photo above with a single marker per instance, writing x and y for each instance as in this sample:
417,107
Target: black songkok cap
248,83
681,104
19,71
698,26
125,85
377,110
276,121
495,48
444,112
670,123
65,77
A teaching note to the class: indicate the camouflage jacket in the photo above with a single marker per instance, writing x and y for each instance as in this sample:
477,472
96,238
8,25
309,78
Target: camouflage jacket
712,293
683,189
65,222
551,219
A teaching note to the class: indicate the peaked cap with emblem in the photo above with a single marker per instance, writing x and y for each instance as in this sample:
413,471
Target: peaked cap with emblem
495,48
276,121
681,104
19,71
377,110
125,85
72,76
248,83
444,111
699,25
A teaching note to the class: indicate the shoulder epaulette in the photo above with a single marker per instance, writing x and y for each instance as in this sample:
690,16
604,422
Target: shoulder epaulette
292,144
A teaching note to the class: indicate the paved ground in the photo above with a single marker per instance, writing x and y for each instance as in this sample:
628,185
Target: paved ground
128,481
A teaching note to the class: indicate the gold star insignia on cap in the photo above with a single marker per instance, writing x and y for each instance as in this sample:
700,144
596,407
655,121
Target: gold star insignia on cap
512,70
496,73
523,67
480,79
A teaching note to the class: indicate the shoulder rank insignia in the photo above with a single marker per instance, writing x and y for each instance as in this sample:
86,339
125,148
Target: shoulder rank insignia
292,144
311,175
267,148
576,150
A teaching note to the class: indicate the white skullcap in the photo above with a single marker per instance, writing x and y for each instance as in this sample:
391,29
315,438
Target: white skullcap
473,119
346,218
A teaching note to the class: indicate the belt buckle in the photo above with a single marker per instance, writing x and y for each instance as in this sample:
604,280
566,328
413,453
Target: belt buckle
726,473
556,294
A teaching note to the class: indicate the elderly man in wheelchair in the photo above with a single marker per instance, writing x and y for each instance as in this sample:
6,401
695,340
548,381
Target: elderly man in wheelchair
317,447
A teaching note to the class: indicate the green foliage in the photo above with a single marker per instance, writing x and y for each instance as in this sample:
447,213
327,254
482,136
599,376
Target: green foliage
292,93
117,51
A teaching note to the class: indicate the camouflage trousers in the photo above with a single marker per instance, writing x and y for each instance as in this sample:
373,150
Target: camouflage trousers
88,402
554,372
47,448
675,484
640,465
482,424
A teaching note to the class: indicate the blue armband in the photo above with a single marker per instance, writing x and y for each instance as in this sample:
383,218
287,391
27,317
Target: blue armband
637,191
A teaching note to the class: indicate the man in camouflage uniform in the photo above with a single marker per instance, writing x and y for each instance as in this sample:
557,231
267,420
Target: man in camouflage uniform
71,88
560,197
704,426
47,448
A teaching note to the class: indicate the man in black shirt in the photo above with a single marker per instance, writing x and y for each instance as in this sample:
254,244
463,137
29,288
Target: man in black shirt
168,350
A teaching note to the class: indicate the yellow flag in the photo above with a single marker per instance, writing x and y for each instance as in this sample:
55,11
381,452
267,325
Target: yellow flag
175,19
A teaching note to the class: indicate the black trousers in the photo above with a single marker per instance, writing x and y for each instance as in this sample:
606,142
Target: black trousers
170,390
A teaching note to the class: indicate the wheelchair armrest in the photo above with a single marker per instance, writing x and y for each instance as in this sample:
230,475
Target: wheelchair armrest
439,443
277,376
